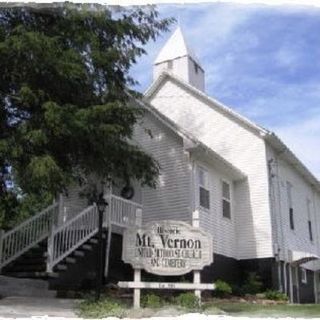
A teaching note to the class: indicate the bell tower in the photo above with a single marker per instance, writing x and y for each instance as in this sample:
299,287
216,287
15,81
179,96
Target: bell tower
177,57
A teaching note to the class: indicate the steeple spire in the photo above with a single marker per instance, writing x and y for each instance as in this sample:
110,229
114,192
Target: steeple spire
177,57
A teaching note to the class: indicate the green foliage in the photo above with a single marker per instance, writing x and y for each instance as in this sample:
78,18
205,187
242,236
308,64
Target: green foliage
222,289
13,210
103,308
188,301
256,310
275,295
151,301
252,285
65,108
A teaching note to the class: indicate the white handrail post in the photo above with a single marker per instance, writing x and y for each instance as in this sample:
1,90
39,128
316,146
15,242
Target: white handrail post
196,273
109,237
50,243
137,291
139,217
137,272
1,246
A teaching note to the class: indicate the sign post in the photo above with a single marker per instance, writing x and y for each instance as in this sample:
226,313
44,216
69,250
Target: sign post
167,247
196,273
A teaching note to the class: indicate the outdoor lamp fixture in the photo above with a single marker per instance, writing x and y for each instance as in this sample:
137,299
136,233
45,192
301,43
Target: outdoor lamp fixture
101,206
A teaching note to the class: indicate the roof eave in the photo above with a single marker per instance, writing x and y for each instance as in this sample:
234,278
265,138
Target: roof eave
289,156
236,173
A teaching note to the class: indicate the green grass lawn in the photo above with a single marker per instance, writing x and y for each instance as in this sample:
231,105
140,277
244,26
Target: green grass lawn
255,310
155,305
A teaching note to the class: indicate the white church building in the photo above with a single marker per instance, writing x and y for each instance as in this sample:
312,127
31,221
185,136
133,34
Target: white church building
256,199
249,191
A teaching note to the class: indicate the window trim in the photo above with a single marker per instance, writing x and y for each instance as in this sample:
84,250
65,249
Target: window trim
304,278
310,230
290,205
291,219
196,67
226,199
205,186
309,223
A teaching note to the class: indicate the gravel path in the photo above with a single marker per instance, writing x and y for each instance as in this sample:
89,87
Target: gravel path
189,316
63,309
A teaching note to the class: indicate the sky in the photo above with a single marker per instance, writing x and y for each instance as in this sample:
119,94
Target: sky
262,61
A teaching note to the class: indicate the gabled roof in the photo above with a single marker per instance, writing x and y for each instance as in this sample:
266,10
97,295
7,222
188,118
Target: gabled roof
236,173
269,136
214,104
176,47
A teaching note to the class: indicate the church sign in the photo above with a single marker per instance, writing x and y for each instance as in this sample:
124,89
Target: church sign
167,248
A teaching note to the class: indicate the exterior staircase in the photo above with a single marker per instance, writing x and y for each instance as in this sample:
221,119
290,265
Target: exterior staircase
31,264
41,248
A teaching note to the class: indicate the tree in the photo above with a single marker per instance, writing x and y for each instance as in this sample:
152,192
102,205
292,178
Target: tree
66,110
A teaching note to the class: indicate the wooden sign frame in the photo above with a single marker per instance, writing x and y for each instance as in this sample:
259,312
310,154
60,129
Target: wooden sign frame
137,284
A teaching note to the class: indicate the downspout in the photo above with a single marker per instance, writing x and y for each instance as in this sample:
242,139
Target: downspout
316,275
290,283
188,146
276,247
285,278
192,189
283,246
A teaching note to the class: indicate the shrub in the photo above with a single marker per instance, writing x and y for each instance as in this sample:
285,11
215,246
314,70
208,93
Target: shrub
151,301
275,295
188,301
252,285
101,309
222,289
237,290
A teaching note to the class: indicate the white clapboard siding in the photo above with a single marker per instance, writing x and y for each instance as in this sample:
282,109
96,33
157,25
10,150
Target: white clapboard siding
239,145
171,198
222,230
297,239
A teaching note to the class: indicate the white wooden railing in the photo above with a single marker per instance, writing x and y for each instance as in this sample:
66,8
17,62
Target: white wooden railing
23,237
71,235
64,239
123,212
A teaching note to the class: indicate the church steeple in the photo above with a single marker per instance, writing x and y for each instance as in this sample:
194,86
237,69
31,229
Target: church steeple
177,57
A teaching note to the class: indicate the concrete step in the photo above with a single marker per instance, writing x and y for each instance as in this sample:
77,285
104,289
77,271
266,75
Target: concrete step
10,286
62,267
53,275
31,260
79,253
94,241
28,274
86,247
71,260
27,267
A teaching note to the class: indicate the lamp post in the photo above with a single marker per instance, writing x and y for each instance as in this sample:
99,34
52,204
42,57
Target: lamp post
101,206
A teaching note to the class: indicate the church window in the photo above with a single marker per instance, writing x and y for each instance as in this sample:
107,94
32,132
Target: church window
226,200
204,193
290,205
196,67
309,220
304,278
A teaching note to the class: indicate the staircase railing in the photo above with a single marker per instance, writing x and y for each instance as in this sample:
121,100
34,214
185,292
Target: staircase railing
71,235
64,239
23,237
123,212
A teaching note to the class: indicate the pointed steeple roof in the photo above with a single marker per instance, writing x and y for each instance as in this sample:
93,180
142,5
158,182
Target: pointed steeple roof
176,47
